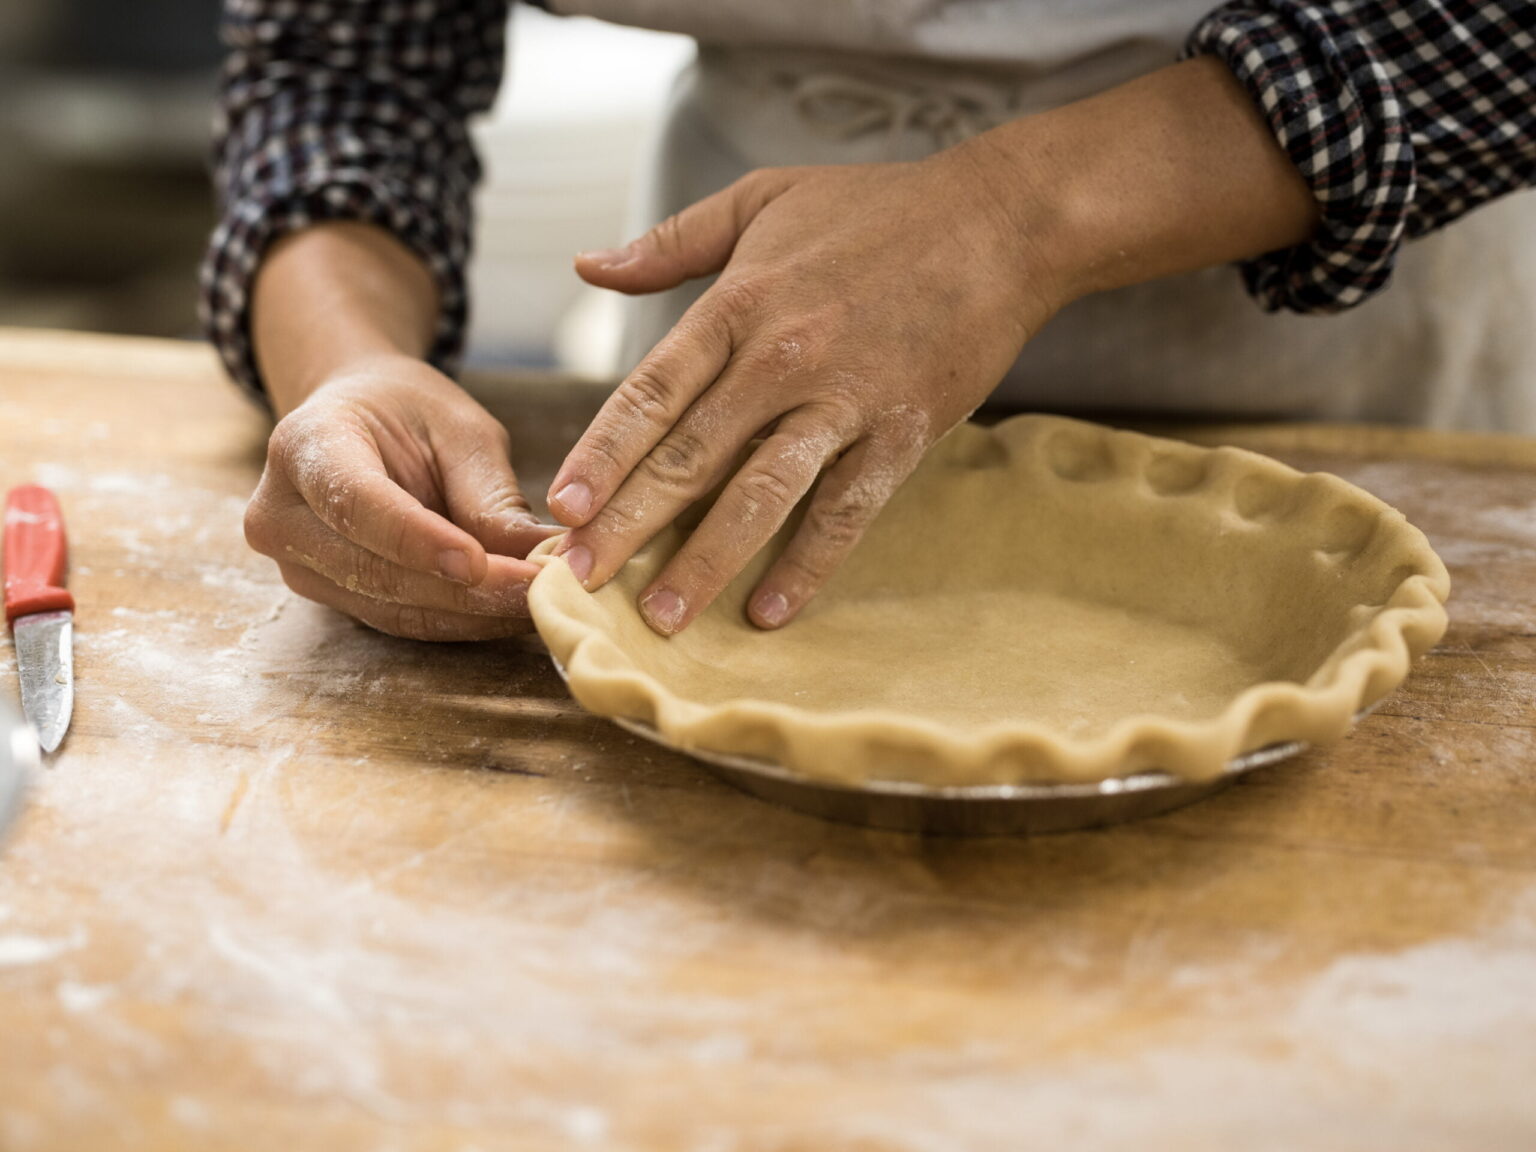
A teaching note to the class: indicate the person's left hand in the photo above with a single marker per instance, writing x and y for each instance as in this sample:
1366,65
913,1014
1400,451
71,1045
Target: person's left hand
862,312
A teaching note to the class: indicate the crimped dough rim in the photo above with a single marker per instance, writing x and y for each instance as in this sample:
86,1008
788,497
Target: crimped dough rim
855,746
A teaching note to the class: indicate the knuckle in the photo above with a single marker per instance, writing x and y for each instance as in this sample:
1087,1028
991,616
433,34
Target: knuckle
647,391
258,527
676,462
297,448
603,447
493,437
667,237
475,434
281,444
370,575
791,351
504,499
857,386
841,411
486,445
398,536
756,178
749,190
766,492
764,182
903,428
413,622
838,522
738,297
337,504
409,621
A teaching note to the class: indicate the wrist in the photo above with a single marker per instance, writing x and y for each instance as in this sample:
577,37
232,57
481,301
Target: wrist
331,299
1016,230
1169,173
361,362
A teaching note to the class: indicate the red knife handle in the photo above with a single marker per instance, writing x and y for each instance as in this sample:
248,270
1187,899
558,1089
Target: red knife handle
35,553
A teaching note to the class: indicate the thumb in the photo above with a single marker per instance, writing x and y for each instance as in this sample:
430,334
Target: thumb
482,496
695,242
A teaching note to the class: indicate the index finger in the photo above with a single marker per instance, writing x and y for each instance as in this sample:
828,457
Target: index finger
639,413
343,480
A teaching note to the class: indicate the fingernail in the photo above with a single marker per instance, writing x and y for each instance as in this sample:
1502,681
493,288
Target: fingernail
575,498
579,557
607,257
453,565
771,609
664,609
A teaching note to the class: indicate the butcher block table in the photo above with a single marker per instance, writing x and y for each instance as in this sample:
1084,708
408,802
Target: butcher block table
294,884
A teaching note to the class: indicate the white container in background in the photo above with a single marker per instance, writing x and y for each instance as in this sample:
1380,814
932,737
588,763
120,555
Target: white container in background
562,151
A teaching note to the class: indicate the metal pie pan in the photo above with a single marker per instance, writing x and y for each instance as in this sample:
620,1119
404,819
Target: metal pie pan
978,810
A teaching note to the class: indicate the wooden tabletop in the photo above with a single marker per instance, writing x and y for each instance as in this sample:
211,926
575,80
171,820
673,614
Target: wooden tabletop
295,884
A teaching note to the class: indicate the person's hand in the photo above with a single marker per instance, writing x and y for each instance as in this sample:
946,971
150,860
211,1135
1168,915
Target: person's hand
863,311
388,495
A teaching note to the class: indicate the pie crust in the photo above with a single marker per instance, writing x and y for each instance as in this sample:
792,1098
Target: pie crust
1044,601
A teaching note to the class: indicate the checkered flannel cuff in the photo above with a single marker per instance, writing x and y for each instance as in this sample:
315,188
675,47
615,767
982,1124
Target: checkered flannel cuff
274,208
1329,96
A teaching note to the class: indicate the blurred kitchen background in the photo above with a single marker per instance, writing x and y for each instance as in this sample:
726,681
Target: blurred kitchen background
105,204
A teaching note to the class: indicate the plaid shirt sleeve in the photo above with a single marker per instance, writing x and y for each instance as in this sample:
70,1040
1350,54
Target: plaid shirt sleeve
347,109
1402,116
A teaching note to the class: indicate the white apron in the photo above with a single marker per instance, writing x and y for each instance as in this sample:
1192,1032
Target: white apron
1452,342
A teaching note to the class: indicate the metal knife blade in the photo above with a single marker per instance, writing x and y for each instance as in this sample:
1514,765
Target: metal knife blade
45,658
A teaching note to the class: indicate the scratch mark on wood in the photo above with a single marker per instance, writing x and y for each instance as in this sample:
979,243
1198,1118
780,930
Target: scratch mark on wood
513,769
236,797
416,859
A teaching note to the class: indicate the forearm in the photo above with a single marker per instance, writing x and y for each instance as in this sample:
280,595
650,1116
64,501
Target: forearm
357,112
333,294
1169,173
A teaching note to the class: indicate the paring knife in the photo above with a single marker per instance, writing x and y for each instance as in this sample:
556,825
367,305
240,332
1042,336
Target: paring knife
40,610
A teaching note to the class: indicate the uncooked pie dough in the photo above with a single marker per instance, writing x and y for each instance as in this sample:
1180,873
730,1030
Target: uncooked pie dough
1043,601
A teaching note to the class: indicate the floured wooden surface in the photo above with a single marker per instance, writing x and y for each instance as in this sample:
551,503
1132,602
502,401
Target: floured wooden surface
295,882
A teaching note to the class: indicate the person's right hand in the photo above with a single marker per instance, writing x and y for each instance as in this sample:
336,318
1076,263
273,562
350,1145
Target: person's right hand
388,495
